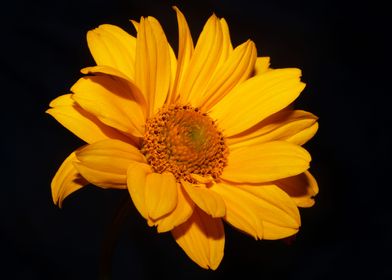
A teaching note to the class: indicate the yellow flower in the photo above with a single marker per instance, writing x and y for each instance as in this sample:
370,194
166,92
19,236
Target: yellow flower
197,139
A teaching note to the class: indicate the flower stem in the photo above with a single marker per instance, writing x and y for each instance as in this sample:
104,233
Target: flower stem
111,238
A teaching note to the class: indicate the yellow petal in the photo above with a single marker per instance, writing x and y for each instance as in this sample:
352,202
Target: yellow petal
104,69
111,101
274,232
202,238
301,188
173,70
263,211
296,127
62,100
185,51
135,24
136,183
304,136
66,181
257,98
81,123
262,65
221,65
204,61
160,194
238,67
207,200
134,93
153,63
266,162
112,46
227,47
202,179
165,61
105,163
179,215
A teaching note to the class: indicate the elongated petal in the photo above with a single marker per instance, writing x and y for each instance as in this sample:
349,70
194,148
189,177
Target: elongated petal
66,181
293,126
164,63
105,163
202,238
185,51
111,100
301,188
81,123
179,215
263,211
262,65
207,200
257,98
112,46
266,162
173,72
238,67
136,183
227,47
160,194
153,63
204,61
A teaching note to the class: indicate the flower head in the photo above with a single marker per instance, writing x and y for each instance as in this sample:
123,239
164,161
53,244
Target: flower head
197,138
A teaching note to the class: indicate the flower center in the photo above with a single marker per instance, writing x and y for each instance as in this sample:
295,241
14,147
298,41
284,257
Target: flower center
184,141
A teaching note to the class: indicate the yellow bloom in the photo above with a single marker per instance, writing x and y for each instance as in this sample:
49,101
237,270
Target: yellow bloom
197,139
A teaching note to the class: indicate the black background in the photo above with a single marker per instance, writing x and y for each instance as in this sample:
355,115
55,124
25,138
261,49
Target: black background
342,48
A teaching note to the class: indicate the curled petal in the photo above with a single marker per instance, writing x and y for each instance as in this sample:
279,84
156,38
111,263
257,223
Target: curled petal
160,194
179,215
202,238
66,181
263,211
111,100
105,163
136,183
301,188
80,122
209,201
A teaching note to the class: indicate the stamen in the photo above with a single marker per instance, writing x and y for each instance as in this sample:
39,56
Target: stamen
184,141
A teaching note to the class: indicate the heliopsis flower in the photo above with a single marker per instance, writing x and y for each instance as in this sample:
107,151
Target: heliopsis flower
199,138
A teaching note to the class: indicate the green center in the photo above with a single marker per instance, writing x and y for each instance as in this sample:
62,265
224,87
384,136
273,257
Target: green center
197,136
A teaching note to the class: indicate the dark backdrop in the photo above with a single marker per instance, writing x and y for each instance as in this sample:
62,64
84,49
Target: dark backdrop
342,48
